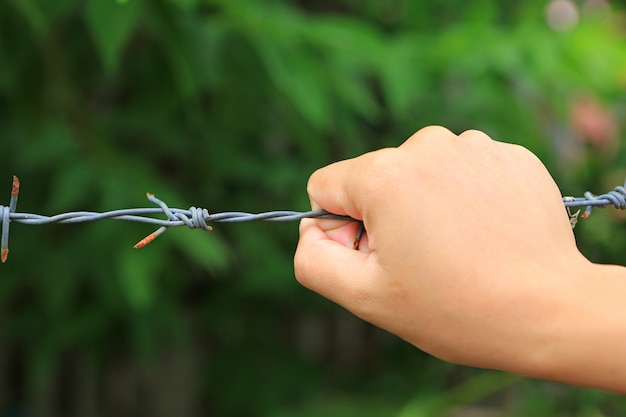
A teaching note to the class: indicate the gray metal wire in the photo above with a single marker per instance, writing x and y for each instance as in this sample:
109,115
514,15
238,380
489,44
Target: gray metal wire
194,217
198,218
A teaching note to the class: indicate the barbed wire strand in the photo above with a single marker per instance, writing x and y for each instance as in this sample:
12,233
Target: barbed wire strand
198,218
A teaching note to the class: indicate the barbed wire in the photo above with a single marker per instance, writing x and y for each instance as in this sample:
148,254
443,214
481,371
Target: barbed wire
194,217
198,218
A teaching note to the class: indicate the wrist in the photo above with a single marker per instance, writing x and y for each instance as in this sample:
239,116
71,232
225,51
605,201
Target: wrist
583,340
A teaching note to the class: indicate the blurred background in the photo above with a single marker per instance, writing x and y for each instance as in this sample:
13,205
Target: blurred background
230,105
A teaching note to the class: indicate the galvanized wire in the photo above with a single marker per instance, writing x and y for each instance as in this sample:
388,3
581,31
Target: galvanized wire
198,218
194,217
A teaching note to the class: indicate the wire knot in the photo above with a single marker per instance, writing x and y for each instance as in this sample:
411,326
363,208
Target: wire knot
195,218
198,219
617,198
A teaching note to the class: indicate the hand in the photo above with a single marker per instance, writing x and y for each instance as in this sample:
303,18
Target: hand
468,253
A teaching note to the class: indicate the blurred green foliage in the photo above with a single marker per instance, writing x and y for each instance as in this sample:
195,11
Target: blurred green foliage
231,105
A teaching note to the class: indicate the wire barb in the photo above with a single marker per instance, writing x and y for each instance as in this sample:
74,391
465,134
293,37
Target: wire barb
6,219
198,218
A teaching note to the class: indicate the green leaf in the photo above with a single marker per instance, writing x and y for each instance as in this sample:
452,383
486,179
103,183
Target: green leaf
401,72
184,4
33,14
71,186
137,275
56,9
205,248
294,74
347,39
110,23
471,390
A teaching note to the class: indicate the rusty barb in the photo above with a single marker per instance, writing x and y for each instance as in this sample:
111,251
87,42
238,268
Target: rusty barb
5,213
198,218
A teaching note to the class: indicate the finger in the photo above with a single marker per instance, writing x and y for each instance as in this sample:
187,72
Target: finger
349,187
345,234
333,270
331,188
337,187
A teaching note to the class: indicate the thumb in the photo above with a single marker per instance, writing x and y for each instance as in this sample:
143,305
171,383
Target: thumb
333,269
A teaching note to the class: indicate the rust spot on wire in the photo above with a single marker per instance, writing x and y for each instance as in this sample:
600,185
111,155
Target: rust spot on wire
5,216
143,242
15,188
357,240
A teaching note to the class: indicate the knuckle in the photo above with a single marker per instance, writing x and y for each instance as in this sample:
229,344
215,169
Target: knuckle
434,130
475,134
428,133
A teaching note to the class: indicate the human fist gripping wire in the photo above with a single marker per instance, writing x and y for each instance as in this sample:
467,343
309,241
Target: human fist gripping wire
449,263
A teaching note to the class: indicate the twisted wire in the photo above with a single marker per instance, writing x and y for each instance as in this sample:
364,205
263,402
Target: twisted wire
198,218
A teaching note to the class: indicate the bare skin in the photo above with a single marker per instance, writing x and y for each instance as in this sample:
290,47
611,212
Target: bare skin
469,255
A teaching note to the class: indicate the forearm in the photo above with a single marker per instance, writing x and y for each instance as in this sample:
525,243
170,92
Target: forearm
585,342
